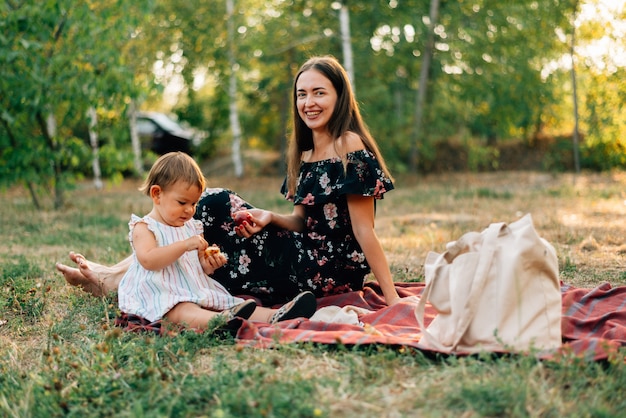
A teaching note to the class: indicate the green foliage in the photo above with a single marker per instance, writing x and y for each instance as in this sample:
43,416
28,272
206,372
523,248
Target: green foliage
488,82
604,155
604,121
482,158
62,60
116,160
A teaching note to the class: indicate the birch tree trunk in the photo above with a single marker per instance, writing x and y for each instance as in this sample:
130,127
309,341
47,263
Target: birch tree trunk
346,40
95,150
422,89
134,138
232,93
51,132
574,94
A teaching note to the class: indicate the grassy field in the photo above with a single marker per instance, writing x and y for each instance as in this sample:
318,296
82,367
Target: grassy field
61,356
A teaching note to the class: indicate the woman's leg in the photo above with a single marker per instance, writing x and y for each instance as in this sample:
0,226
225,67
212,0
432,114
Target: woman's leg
302,306
94,278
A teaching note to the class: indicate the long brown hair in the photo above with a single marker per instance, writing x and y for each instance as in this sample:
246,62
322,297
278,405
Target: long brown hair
346,117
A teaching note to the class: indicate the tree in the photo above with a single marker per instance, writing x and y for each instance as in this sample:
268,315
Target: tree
58,59
600,73
575,136
423,83
346,40
232,92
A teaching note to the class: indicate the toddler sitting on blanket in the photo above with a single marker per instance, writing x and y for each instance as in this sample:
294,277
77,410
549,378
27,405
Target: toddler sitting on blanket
169,277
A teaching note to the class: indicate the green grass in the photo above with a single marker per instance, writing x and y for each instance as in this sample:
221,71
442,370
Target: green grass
60,354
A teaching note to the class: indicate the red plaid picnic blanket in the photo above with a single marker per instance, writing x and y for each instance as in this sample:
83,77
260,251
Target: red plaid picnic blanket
593,322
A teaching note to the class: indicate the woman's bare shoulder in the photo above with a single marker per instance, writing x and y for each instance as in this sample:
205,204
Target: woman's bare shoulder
351,142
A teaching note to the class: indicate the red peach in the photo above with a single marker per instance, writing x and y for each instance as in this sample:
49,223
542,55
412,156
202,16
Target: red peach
240,217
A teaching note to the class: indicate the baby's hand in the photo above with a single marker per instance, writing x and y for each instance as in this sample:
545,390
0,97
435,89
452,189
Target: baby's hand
196,242
212,259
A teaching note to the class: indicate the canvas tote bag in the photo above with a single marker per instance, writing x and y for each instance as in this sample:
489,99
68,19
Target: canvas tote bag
497,290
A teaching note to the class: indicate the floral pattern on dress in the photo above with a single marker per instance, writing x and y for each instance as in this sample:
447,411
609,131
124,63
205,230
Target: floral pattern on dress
274,265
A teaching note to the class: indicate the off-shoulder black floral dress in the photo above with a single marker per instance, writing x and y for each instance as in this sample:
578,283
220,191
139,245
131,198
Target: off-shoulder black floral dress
275,265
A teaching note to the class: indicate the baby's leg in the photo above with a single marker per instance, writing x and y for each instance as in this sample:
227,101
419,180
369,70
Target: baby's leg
189,314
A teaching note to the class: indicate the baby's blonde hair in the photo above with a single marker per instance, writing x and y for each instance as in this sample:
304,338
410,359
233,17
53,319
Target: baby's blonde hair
171,168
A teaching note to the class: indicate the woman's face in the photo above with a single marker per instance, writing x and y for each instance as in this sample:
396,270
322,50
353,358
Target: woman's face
315,99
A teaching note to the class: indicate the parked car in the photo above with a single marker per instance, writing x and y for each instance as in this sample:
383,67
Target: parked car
161,134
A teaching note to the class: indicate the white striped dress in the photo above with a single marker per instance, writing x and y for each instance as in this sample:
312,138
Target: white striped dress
151,294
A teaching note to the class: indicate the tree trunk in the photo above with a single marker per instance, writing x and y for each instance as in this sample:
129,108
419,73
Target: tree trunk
232,93
346,40
93,140
134,138
33,194
422,88
574,95
51,132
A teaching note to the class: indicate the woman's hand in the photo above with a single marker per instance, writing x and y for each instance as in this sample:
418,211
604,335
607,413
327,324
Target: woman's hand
409,299
394,301
249,222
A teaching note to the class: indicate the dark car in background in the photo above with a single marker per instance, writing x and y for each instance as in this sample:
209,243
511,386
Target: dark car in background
161,134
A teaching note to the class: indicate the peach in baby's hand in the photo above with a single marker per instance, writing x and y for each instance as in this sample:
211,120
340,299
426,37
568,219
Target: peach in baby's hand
212,250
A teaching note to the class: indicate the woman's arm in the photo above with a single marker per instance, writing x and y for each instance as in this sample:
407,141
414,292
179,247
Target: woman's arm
361,210
260,218
153,257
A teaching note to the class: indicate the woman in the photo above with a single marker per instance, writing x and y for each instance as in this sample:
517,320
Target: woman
327,244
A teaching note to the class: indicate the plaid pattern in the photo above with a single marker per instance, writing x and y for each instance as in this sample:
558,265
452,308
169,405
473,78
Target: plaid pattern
134,323
593,322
